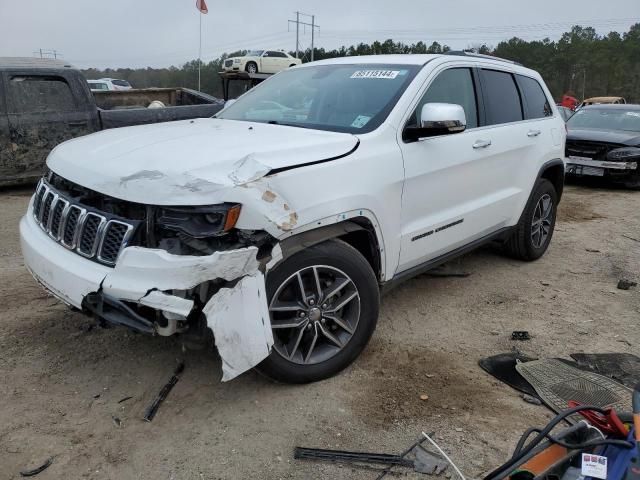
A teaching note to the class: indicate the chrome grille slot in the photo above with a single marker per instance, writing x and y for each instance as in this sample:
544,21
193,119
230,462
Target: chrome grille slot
37,203
114,236
92,234
70,225
90,230
56,217
46,209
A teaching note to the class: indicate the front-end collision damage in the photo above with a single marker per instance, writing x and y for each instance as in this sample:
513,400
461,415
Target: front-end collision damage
237,312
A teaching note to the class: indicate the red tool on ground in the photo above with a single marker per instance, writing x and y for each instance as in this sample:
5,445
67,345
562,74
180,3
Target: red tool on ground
608,423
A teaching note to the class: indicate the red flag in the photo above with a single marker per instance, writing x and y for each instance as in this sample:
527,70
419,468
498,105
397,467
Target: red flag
202,6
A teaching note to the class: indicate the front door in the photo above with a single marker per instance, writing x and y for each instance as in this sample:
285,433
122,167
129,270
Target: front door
458,187
270,62
42,112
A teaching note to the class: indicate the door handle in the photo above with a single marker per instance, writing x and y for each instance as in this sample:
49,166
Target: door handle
81,123
533,133
482,143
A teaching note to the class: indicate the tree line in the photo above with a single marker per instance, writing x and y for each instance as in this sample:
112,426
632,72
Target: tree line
581,61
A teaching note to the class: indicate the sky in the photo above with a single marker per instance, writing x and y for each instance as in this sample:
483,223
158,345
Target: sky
157,33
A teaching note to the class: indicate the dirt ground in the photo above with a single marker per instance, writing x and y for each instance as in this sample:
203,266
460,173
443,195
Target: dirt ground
62,380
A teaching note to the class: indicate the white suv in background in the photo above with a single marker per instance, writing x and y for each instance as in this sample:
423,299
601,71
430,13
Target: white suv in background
277,223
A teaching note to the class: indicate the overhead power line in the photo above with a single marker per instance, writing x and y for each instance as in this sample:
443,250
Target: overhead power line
313,26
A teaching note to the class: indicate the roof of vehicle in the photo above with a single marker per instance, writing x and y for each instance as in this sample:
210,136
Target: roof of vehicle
601,99
32,62
95,81
609,106
412,59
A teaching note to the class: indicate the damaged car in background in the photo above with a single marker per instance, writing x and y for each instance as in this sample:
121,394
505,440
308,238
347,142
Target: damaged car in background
604,141
277,223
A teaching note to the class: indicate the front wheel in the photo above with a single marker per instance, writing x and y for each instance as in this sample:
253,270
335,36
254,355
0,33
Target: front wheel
323,306
533,232
252,67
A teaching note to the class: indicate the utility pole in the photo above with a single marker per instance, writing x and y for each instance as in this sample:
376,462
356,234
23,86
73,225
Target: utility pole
313,31
297,33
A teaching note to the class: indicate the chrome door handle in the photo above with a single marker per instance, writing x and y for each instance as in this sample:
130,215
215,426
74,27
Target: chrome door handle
482,143
533,133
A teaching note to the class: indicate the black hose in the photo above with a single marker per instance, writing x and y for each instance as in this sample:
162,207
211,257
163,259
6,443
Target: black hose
521,451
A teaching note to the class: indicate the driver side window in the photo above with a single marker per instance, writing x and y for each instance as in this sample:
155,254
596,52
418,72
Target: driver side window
452,86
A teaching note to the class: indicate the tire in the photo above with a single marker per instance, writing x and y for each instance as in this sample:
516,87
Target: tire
524,244
292,65
296,357
251,67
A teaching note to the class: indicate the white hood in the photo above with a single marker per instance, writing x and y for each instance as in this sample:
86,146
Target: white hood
181,162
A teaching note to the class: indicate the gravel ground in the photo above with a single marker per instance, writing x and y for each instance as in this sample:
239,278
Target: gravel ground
62,379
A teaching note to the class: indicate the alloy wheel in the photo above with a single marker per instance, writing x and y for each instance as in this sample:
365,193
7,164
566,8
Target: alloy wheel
314,314
542,220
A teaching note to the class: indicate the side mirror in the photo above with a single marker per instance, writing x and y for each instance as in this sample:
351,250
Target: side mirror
437,119
229,102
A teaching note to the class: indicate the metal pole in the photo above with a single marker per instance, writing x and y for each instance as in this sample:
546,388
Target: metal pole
297,32
200,52
584,81
313,31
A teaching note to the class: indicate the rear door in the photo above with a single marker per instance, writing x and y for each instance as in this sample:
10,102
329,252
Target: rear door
45,109
6,146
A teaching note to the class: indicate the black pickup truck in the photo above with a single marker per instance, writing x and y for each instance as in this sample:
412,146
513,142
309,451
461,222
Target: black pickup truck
45,102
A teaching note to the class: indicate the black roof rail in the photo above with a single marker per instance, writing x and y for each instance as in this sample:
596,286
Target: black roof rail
462,53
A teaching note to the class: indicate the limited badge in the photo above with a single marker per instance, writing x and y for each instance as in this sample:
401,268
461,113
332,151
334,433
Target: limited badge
594,466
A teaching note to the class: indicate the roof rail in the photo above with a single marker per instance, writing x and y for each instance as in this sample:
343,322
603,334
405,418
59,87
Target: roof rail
462,53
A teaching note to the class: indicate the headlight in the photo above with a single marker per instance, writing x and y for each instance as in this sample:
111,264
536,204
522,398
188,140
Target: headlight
199,222
624,153
236,60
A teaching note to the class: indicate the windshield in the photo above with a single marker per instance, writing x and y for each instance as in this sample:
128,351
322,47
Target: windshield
606,119
339,98
254,53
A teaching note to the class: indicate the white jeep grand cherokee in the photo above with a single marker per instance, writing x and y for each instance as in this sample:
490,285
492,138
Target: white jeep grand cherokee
277,223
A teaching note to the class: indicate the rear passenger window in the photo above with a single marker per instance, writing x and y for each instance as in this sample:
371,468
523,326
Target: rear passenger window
452,86
537,104
501,97
35,94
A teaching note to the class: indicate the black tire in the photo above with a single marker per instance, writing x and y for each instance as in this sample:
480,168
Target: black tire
250,66
522,244
343,258
292,65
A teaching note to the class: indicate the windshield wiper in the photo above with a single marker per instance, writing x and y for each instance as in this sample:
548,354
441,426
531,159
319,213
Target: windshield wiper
276,122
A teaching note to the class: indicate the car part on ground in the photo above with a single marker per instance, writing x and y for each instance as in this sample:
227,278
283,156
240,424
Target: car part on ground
152,409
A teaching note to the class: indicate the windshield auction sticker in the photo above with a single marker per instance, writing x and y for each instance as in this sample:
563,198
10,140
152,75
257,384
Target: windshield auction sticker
389,74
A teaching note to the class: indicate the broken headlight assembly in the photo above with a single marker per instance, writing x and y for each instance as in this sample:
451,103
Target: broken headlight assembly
624,154
199,222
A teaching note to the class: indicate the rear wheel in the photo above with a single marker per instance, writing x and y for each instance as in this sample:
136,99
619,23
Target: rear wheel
323,306
252,67
533,232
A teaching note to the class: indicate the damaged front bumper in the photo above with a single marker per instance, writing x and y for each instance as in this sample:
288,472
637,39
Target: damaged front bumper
154,279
